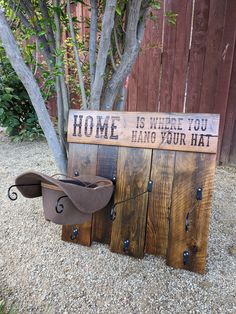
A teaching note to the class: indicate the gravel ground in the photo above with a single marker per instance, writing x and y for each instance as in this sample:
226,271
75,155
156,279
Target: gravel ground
39,273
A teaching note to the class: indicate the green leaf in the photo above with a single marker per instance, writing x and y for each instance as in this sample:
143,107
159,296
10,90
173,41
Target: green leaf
9,90
171,17
118,11
156,5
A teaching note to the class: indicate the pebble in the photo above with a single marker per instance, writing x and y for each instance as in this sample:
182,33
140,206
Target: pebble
39,273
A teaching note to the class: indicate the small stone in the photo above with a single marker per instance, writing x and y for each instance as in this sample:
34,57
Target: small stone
232,250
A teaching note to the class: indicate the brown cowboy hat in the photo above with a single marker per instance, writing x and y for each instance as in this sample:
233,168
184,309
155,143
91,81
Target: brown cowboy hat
67,201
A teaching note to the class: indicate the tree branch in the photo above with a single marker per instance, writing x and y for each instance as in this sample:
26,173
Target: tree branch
117,44
28,80
134,35
59,62
47,25
42,40
77,58
93,40
107,26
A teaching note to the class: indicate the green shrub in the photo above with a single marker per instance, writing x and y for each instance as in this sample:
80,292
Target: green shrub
16,111
3,309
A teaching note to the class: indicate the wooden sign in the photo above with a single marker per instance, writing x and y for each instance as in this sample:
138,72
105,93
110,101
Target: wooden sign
169,131
177,152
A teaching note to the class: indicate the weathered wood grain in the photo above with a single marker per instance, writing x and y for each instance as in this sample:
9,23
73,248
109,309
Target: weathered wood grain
197,55
83,159
159,203
171,131
133,171
106,167
232,157
225,67
181,53
192,171
228,142
213,56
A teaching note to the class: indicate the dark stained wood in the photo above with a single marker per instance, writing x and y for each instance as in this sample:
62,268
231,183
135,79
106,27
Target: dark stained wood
132,88
159,202
191,172
106,167
168,59
232,157
142,84
180,66
230,120
133,171
154,49
225,67
213,55
197,55
82,158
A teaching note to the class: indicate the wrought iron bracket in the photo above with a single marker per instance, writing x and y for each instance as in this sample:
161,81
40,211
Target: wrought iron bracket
60,207
13,195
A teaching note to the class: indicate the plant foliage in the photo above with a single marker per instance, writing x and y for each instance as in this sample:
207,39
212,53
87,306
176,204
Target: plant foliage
17,114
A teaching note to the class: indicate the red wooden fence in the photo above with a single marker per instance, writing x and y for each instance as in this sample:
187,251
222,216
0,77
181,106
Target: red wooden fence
189,67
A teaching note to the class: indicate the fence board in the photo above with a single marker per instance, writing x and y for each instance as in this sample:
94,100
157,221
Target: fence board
230,119
232,158
168,58
213,55
225,66
155,46
180,68
143,75
197,55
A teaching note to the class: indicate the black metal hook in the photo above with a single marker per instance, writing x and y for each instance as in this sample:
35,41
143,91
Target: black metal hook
186,257
148,190
74,234
113,214
13,195
61,206
126,246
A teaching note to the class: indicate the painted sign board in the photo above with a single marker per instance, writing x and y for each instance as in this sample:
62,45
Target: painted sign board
168,131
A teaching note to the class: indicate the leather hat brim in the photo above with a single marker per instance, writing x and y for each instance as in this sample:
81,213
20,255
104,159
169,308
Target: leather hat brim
86,199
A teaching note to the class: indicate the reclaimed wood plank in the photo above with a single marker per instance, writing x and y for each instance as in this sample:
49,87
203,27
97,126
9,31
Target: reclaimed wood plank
133,170
82,159
106,167
159,202
184,132
192,171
